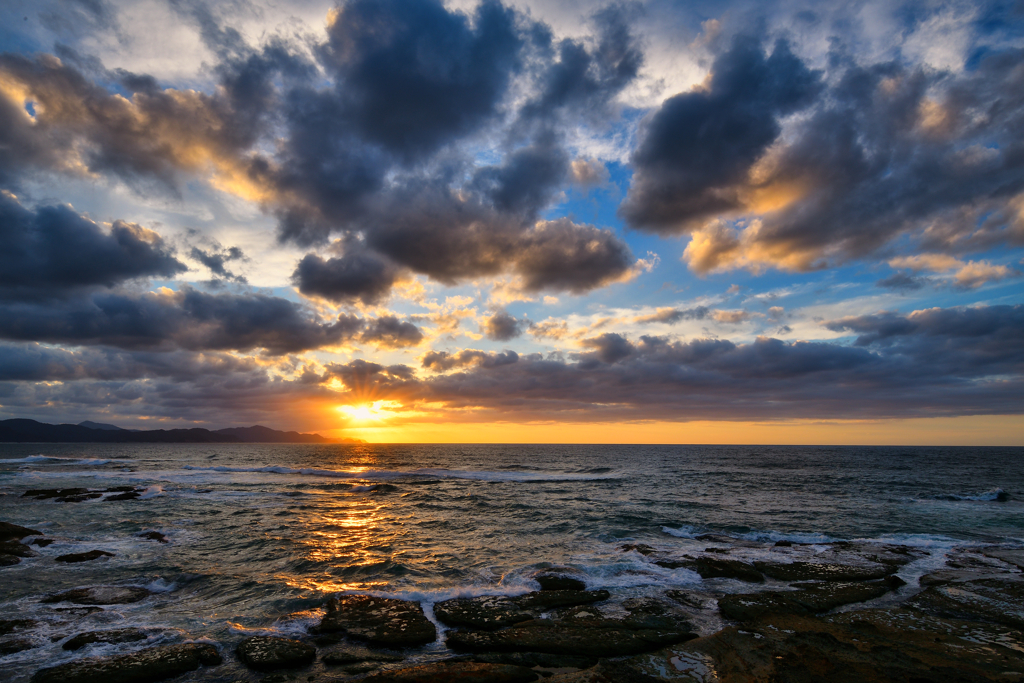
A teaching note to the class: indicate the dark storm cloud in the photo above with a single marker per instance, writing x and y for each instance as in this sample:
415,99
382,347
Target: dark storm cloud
188,319
699,145
526,181
442,361
879,150
947,362
502,326
216,260
671,316
357,273
902,282
53,251
389,332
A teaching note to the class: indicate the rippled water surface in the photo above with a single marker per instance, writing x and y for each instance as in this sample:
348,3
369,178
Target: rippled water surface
260,532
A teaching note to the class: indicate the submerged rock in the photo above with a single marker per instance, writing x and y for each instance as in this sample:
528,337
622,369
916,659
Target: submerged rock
151,664
121,635
100,595
554,580
461,672
83,557
42,542
270,652
380,621
43,494
9,646
154,536
11,625
129,495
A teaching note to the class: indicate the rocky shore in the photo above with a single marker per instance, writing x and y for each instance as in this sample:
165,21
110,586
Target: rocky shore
827,612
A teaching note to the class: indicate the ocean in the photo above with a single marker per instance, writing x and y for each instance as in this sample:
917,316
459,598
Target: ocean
259,536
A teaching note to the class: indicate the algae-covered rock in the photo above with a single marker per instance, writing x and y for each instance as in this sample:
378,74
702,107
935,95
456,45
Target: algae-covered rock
144,666
381,621
270,652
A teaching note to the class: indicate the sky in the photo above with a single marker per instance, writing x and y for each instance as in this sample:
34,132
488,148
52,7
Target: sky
537,221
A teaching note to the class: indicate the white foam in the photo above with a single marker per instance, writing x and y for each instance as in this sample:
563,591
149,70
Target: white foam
152,492
40,459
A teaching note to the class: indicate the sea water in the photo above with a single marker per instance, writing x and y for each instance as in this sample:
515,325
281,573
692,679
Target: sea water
261,535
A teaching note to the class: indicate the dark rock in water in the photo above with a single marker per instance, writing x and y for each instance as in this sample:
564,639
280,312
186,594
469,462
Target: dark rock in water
812,599
869,646
79,498
154,536
17,549
894,582
987,600
544,635
810,571
11,645
269,652
537,659
151,664
783,544
12,625
641,548
122,635
130,495
354,656
545,600
100,595
9,560
42,542
491,612
713,568
463,672
554,581
380,621
13,532
43,494
486,612
83,557
690,599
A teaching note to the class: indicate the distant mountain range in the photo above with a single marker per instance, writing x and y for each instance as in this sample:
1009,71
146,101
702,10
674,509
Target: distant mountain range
22,431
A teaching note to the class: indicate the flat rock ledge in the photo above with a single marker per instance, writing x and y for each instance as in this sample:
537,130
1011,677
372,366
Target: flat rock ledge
265,653
144,666
384,622
100,595
456,672
492,612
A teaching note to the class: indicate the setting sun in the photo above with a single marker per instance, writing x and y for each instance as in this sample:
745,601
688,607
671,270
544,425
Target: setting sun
370,412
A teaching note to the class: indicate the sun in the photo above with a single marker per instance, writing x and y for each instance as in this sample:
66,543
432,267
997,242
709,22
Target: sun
377,411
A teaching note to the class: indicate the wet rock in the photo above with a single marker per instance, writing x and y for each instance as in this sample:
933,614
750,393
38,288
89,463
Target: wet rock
43,494
42,542
988,600
130,495
783,544
1014,557
813,571
269,652
100,595
9,560
544,635
79,498
460,672
491,612
714,567
555,581
356,655
17,549
380,621
869,646
83,557
486,612
151,664
122,635
154,536
13,532
12,625
944,576
690,599
813,599
9,646
537,659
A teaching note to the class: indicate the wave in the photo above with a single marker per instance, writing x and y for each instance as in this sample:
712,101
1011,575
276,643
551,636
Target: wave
691,532
474,475
39,459
995,495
